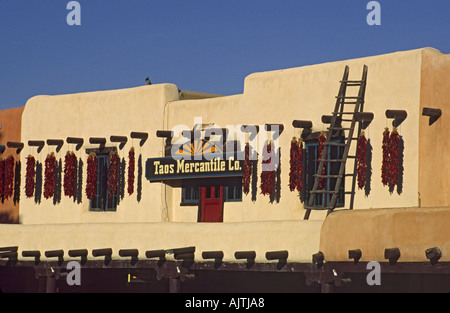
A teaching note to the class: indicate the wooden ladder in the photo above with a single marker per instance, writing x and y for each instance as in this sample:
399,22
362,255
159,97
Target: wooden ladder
341,114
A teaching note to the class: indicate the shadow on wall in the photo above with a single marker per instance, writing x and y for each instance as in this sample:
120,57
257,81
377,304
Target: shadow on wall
139,179
367,186
6,218
38,183
58,181
276,195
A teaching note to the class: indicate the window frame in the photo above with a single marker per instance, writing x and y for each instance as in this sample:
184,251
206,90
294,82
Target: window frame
195,185
309,180
101,185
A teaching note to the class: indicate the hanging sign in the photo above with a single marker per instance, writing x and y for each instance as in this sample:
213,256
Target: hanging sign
159,169
200,159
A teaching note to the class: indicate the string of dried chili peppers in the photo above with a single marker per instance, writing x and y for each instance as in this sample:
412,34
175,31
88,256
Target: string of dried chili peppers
131,166
113,173
268,171
91,179
2,178
8,177
361,160
385,166
300,165
322,139
70,167
49,176
294,165
247,170
30,176
394,142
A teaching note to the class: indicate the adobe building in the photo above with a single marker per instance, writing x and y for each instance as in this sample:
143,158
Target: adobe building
10,128
190,214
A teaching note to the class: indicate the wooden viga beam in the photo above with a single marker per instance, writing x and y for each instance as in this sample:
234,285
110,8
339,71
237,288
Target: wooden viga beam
97,140
132,253
106,253
164,134
433,254
81,253
139,135
36,254
58,143
246,255
120,139
432,113
305,125
37,143
398,115
59,254
279,128
365,118
15,145
75,140
8,252
392,254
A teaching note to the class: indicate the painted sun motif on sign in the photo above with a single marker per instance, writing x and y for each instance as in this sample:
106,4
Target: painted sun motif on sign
197,148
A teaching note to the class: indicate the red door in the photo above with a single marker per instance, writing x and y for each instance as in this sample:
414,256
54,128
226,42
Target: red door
211,204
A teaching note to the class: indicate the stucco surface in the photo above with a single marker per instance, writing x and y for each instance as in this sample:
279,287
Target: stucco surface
300,238
10,120
307,93
412,230
434,152
97,114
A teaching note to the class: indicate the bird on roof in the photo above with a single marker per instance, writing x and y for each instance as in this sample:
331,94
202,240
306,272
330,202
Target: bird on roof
147,81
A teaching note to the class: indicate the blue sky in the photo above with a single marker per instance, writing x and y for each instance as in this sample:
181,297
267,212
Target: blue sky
199,45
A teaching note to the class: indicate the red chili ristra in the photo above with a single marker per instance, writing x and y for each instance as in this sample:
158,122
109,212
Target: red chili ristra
361,161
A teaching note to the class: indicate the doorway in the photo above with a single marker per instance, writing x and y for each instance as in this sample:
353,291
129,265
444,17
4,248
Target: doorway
211,204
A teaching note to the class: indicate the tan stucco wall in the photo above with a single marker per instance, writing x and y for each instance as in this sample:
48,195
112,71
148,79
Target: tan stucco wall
299,238
412,230
434,151
97,114
10,120
307,93
395,81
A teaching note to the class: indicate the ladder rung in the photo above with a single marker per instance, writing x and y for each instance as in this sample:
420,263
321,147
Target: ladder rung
318,208
345,112
324,191
352,81
334,160
346,120
328,176
334,144
340,128
347,97
351,156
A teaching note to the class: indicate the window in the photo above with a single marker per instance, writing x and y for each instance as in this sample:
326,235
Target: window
232,190
334,152
190,195
103,201
233,193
